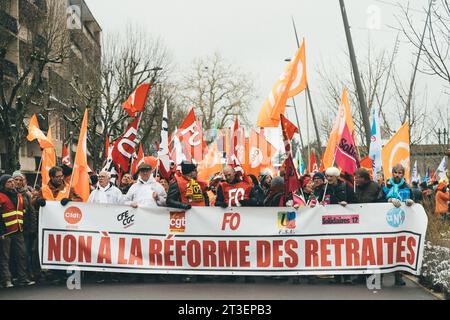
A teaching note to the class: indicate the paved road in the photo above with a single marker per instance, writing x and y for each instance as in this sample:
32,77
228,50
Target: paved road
262,289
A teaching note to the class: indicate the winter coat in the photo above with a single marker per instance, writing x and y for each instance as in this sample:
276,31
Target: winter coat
369,193
108,195
142,193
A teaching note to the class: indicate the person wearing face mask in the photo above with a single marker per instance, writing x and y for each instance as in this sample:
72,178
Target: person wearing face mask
146,192
12,242
105,192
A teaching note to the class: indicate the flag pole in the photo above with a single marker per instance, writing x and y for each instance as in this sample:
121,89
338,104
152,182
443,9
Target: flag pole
39,170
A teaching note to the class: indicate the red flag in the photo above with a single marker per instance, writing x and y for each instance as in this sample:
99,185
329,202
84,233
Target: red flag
190,135
136,102
236,150
290,178
65,156
287,141
138,160
290,128
125,147
313,168
106,152
346,153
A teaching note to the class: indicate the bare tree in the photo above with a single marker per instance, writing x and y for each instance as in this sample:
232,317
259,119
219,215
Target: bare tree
49,45
218,91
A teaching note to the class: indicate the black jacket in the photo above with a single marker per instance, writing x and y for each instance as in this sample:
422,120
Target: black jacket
340,192
369,193
174,197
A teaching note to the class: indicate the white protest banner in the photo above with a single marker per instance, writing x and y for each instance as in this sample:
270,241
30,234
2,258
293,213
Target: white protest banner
356,239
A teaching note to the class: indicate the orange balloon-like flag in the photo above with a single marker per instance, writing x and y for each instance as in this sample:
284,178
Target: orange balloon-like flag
35,133
80,176
397,151
48,160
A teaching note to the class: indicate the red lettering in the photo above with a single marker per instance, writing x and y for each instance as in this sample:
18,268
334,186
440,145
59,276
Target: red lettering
121,259
168,253
69,248
194,250
244,253
411,256
292,260
104,251
337,251
263,253
324,253
84,249
277,253
400,249
312,257
367,254
136,252
54,247
179,246
209,253
155,256
352,247
380,251
227,253
390,242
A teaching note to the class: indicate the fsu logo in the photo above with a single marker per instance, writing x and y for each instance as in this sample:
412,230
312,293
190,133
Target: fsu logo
287,222
177,222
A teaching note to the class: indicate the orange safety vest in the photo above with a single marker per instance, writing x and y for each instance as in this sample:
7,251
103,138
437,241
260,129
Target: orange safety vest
12,215
238,191
191,191
47,193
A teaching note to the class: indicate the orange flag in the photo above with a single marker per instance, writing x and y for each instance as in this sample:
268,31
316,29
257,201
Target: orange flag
136,102
366,163
211,164
48,160
299,83
35,133
275,103
80,176
396,151
343,117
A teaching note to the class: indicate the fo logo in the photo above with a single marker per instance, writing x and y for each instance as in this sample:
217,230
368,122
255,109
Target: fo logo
395,217
177,222
286,220
73,215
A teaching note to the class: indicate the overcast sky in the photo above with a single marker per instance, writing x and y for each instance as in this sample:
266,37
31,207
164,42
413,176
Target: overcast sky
257,35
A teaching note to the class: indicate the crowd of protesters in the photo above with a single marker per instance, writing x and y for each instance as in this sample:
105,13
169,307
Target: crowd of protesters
19,203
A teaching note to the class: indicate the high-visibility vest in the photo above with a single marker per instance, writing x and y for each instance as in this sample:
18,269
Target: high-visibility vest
47,193
191,191
236,192
12,215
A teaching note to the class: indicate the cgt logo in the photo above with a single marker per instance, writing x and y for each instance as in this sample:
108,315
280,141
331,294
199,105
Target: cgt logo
395,217
73,215
177,222
126,219
286,221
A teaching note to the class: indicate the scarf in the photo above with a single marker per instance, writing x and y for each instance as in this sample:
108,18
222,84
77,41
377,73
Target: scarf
393,192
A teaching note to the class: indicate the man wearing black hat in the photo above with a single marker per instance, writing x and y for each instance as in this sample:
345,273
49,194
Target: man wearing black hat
12,241
319,185
186,191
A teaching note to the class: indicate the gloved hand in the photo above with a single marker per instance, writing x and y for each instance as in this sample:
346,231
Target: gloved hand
41,202
290,203
64,202
409,202
224,205
343,203
397,203
187,207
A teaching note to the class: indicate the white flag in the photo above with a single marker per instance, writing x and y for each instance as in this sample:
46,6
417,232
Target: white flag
440,171
163,152
414,173
375,144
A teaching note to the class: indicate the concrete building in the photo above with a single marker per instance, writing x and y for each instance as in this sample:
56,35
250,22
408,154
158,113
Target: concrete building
18,33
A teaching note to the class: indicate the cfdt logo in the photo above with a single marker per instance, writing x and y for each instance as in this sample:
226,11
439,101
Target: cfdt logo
287,221
126,219
73,215
395,217
177,222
